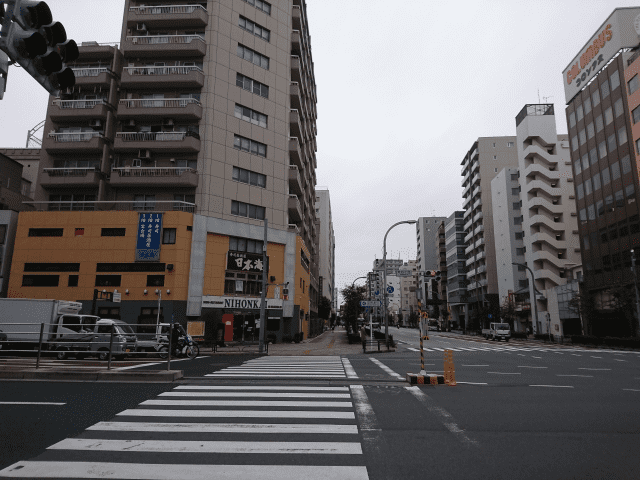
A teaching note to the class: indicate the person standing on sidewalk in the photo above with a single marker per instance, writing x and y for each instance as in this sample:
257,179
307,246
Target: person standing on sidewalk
363,337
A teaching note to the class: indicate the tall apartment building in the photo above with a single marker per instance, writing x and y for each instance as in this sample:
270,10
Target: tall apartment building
206,108
393,299
513,280
408,287
326,246
456,268
427,257
486,157
605,167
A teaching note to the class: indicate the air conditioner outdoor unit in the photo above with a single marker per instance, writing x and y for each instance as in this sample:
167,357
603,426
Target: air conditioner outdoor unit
141,27
144,154
172,160
167,122
136,162
130,123
95,123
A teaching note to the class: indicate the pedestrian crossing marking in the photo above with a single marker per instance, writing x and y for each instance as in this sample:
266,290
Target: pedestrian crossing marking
225,427
265,387
256,394
247,403
144,412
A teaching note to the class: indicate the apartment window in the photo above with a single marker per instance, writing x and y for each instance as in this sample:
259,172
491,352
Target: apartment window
247,210
635,113
169,236
574,142
238,244
582,215
593,156
611,142
254,28
591,212
629,190
602,149
625,163
108,280
253,56
582,136
585,161
587,106
587,186
617,107
590,131
572,119
615,80
622,135
155,280
248,145
599,208
73,202
519,235
40,280
619,196
615,171
113,232
516,206
580,191
608,116
252,178
517,220
580,112
136,267
144,202
596,182
510,144
250,115
608,204
633,84
251,85
606,177
596,98
260,5
72,281
578,166
45,232
599,123
604,88
514,177
520,251
51,267
515,191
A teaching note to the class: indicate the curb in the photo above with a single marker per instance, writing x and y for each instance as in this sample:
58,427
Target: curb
428,379
110,376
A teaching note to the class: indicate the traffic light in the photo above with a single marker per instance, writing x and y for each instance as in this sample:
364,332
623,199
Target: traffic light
31,38
437,275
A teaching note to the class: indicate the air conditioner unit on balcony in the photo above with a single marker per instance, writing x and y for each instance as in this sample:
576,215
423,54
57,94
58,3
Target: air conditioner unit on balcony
130,123
95,123
167,122
144,154
136,162
141,27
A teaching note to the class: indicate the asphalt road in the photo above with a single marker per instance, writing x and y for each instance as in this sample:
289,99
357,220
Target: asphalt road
519,410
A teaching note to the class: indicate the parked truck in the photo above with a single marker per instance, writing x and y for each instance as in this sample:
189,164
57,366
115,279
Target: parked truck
66,329
497,331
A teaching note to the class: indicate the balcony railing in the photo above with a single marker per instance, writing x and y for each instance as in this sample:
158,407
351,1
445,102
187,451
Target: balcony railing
175,70
152,171
162,39
166,9
79,103
70,172
159,103
130,205
75,137
151,136
89,71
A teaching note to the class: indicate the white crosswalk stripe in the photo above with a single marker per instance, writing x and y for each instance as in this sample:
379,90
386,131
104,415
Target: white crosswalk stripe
273,432
286,367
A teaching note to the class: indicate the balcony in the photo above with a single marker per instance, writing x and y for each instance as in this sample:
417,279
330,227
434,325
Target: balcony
477,203
477,217
69,177
57,142
295,184
295,41
164,141
116,206
467,224
481,269
92,76
294,228
154,176
471,273
470,260
478,229
466,214
479,242
481,255
296,74
469,248
174,108
176,76
295,210
160,16
295,125
295,153
476,191
295,93
165,45
68,110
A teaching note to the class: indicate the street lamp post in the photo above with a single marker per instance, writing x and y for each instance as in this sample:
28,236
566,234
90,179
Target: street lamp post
533,303
384,279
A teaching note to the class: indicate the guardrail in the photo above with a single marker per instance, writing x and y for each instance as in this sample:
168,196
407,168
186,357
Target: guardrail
174,70
64,104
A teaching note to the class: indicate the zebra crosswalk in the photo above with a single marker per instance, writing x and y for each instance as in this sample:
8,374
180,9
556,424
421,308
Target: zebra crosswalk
275,432
522,348
286,367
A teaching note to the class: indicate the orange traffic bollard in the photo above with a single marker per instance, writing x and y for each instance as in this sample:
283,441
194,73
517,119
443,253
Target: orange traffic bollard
449,369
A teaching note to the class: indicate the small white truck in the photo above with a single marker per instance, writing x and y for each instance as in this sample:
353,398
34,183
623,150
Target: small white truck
497,331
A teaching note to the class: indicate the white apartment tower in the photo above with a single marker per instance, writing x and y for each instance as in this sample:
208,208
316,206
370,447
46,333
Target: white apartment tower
326,246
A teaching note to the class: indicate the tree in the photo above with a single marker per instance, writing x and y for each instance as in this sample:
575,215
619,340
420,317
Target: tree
352,298
508,311
324,308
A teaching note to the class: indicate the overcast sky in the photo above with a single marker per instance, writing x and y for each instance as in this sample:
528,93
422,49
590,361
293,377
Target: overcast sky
404,89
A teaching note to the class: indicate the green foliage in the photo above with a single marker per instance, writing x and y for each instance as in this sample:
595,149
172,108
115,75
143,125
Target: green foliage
324,308
352,297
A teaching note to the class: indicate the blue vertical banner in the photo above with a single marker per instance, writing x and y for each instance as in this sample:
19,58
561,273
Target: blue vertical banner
149,236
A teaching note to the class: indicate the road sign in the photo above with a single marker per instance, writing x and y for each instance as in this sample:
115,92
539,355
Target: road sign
369,303
392,273
377,292
389,289
404,273
489,316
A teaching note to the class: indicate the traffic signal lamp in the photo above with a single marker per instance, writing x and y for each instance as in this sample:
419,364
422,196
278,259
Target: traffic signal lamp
437,275
31,38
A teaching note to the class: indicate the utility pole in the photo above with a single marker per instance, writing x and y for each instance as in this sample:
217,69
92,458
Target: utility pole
263,295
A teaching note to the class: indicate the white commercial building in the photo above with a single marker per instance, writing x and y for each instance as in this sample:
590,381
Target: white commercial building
326,247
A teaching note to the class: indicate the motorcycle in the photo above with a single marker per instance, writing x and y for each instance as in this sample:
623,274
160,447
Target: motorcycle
186,347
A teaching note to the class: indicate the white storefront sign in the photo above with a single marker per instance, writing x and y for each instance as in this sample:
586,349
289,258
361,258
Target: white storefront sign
249,303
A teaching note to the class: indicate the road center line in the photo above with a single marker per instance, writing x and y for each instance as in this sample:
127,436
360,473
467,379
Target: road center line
506,373
552,386
442,414
527,366
594,369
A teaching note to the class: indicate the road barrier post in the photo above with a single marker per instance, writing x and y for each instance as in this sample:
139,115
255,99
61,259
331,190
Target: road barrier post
40,344
449,369
110,346
170,347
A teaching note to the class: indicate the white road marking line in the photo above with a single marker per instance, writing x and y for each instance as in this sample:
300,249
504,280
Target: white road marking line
552,386
595,357
372,438
133,471
265,375
472,383
527,366
473,366
265,387
630,390
535,357
247,403
143,412
348,368
619,360
522,355
576,355
506,373
594,369
224,427
566,375
183,393
444,416
141,365
385,368
31,403
413,349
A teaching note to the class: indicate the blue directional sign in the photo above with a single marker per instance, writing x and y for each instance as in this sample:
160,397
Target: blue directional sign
389,289
149,235
377,292
489,316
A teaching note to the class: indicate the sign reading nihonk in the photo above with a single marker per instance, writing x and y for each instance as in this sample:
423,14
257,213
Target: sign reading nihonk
149,235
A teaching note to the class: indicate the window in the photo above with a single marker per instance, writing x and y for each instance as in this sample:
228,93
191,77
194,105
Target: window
515,191
51,267
155,280
25,187
593,156
136,267
591,211
635,113
590,131
510,144
618,108
622,135
602,149
260,5
578,166
599,208
254,28
250,115
587,186
596,98
253,56
579,112
583,215
514,177
247,145
625,163
599,123
604,88
251,85
40,280
144,202
619,195
516,206
520,251
629,190
73,281
168,236
108,280
608,204
608,116
247,210
615,171
572,119
73,202
596,182
606,178
247,176
517,221
113,232
574,142
580,191
585,161
519,235
587,106
633,84
582,136
45,232
238,244
615,80
611,142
